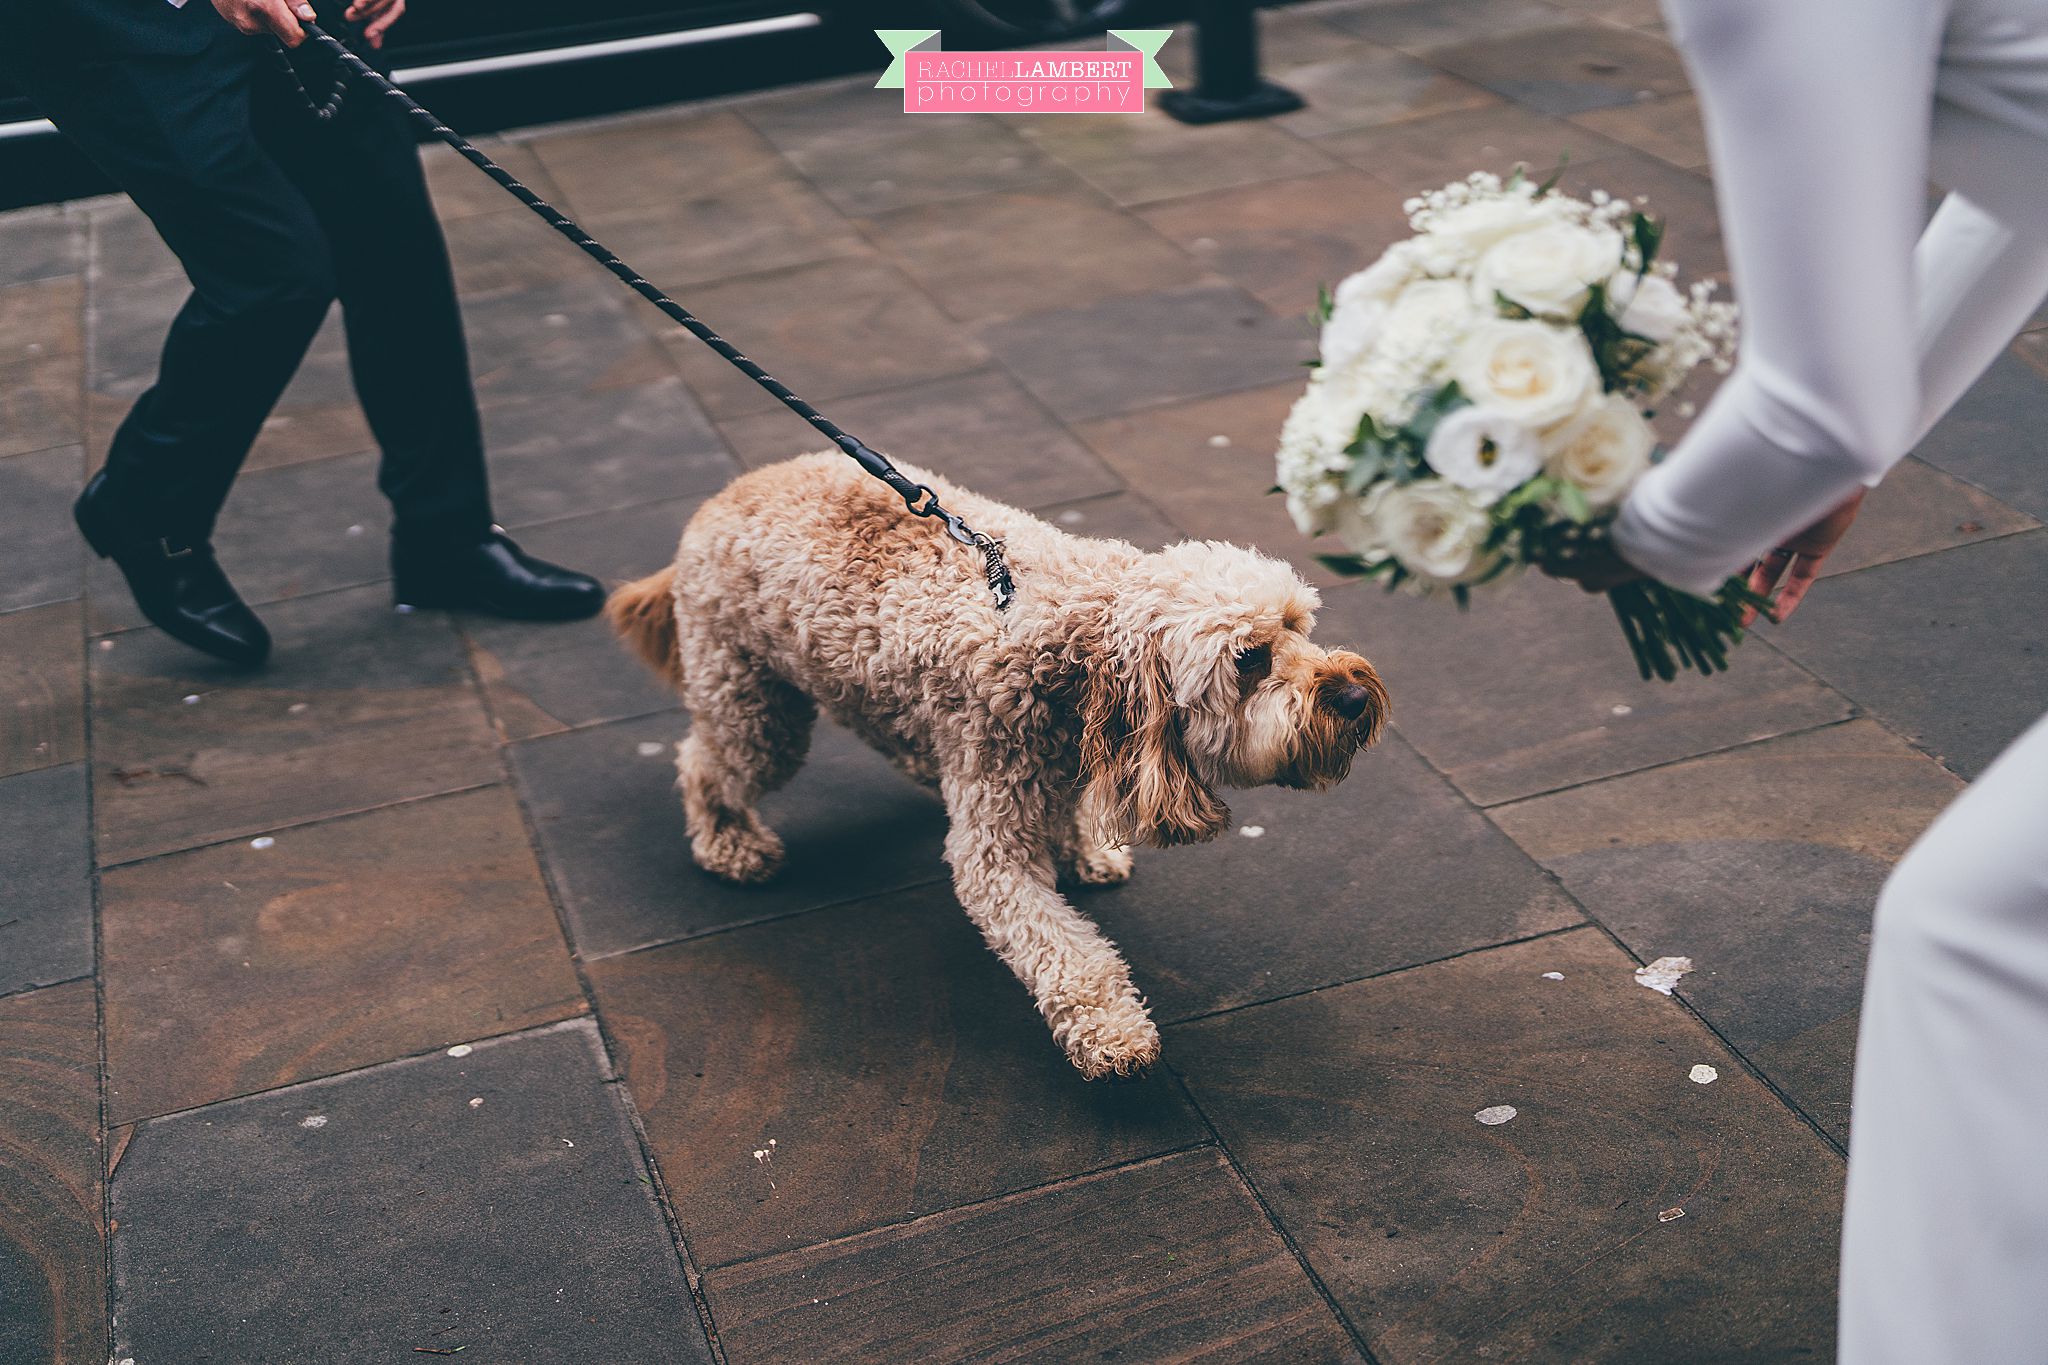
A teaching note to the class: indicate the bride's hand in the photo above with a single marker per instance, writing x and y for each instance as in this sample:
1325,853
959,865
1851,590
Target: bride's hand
1798,560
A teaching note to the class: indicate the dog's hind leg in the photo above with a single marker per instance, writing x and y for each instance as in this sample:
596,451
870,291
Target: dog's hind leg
1001,848
749,732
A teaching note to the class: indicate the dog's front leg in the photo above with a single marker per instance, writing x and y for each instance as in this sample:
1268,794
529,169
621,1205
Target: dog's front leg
1001,848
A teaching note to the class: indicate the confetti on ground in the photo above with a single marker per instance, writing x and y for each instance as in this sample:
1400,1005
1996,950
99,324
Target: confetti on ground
477,1102
1252,831
1219,442
1661,975
403,609
1670,1215
1071,518
106,644
313,1121
1553,976
1621,709
650,748
1704,1075
297,708
1494,1115
263,842
355,530
460,1050
191,699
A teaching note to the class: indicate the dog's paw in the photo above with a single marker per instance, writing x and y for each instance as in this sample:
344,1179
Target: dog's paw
1102,867
1117,1041
738,852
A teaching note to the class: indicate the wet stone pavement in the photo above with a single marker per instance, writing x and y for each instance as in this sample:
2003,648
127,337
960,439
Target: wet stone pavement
369,1009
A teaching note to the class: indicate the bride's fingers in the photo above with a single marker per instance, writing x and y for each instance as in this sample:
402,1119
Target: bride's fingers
1764,576
1805,573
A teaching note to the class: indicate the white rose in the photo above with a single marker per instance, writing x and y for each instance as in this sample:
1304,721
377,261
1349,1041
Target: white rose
1462,234
1359,305
1356,521
1433,529
1549,270
1484,452
1310,518
1428,319
1604,452
1537,374
1654,309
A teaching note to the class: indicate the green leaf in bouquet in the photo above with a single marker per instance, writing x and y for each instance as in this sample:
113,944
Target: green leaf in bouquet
1508,308
1462,595
1311,364
1326,304
1519,178
1572,500
1350,566
1368,467
1276,488
1649,235
1563,160
1439,405
1616,351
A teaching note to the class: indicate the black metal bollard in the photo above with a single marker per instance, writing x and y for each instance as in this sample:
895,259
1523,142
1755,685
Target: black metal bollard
1227,81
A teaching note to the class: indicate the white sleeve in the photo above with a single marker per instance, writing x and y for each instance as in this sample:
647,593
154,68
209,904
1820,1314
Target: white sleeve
1818,115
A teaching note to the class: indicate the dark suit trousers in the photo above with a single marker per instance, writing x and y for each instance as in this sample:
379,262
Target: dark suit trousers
274,215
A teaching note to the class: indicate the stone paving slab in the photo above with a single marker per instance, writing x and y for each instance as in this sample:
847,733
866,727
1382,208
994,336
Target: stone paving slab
42,688
1425,154
52,1277
1666,128
1937,646
1391,869
1146,157
610,826
42,359
1568,69
1105,359
388,713
1421,26
1762,865
982,430
232,969
1066,247
878,1057
522,1228
1352,1111
45,878
1919,510
41,557
41,244
1170,1260
1992,438
1559,700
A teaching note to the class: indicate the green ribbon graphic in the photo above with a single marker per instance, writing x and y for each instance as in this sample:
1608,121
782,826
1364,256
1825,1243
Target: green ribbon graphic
1147,41
899,41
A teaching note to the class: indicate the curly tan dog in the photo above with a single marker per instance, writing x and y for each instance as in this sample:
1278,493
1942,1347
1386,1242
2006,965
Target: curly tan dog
1101,710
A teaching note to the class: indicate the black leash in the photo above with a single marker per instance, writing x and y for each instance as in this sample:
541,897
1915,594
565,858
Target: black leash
919,498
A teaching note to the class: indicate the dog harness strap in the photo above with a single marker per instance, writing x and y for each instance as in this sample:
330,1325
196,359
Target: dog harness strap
917,497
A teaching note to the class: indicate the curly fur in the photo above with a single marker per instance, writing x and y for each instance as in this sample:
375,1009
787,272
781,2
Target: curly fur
1103,709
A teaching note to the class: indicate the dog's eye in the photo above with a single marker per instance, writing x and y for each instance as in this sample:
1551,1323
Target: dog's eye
1255,662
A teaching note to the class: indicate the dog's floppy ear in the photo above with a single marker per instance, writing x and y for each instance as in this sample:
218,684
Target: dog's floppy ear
1134,757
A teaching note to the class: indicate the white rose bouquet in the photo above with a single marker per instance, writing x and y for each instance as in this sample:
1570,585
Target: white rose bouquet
1480,403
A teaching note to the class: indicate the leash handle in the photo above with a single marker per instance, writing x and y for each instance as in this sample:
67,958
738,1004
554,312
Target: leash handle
918,498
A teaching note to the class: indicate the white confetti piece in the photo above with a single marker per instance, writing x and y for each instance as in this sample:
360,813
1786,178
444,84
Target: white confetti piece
460,1050
263,842
477,1102
556,319
403,609
106,644
652,748
1704,1075
1072,518
1495,1115
313,1121
567,1143
1252,831
1553,976
1670,1215
1219,442
355,530
297,708
1203,244
1661,975
1622,709
191,699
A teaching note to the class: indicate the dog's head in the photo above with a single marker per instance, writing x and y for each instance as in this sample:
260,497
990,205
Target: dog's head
1203,676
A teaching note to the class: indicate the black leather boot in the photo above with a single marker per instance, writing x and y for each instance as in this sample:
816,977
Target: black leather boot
178,585
493,576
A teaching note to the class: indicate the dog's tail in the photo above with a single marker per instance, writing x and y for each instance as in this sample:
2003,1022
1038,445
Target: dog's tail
643,614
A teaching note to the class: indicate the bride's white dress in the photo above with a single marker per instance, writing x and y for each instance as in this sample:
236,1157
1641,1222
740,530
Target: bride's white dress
1826,119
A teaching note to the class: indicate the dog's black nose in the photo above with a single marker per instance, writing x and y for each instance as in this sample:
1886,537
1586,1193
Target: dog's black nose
1349,701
